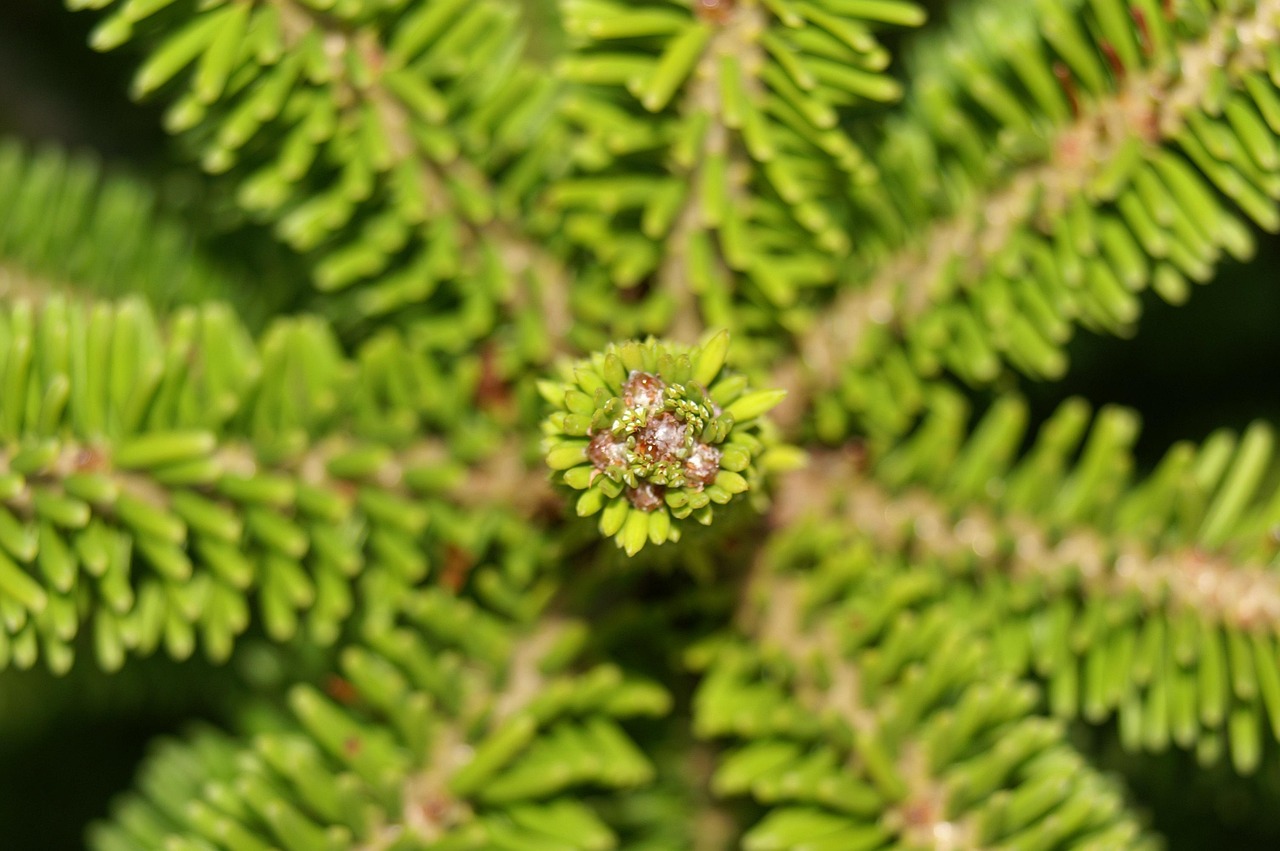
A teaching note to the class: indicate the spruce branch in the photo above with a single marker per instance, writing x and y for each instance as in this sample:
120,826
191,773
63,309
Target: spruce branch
155,483
445,727
386,146
711,176
864,708
72,226
1130,186
1155,599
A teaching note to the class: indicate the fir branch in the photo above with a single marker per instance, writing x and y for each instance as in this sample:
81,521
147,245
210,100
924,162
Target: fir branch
1119,180
377,101
434,731
152,484
74,227
919,815
543,283
1155,599
869,709
711,176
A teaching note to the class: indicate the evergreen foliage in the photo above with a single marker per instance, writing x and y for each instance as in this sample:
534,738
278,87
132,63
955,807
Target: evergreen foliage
540,285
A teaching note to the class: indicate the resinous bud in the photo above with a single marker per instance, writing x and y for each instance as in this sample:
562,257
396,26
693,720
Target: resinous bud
670,435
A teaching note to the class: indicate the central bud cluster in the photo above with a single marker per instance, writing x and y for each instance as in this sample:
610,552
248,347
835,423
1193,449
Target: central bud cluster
652,435
655,441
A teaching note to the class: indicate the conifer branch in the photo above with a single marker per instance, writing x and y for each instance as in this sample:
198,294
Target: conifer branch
919,815
434,731
1131,172
865,707
1157,600
75,228
542,283
378,149
892,657
711,178
168,479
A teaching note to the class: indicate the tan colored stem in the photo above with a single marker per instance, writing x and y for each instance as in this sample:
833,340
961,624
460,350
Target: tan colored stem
735,35
1244,596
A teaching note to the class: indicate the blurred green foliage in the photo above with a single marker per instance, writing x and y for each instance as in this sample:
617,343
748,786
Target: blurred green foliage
69,743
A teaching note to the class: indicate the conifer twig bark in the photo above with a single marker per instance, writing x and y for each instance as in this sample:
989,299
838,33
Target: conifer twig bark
733,36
